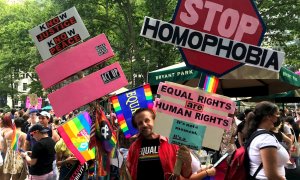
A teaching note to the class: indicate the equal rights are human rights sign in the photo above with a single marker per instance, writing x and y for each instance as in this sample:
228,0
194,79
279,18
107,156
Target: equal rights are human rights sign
192,117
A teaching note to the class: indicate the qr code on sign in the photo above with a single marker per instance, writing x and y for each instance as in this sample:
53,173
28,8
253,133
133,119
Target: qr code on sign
101,49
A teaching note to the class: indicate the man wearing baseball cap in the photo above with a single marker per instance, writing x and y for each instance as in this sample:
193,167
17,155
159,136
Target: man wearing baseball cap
32,120
42,155
44,118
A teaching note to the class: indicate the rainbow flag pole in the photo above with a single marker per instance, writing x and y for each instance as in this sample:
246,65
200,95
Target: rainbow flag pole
209,83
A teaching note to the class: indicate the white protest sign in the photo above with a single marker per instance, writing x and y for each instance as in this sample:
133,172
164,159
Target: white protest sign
192,117
211,44
59,33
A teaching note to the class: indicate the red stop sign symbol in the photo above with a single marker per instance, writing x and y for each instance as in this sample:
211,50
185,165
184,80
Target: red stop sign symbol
232,19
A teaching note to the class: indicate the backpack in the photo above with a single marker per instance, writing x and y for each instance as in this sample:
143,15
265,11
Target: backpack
239,167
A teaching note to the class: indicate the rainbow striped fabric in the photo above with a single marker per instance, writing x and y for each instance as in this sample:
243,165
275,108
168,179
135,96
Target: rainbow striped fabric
209,83
106,134
15,140
76,134
125,104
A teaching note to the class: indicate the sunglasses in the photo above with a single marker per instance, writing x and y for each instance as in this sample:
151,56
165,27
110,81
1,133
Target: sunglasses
42,117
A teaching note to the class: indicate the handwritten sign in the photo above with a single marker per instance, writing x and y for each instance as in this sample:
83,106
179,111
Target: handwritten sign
59,33
164,126
189,134
192,95
204,118
192,116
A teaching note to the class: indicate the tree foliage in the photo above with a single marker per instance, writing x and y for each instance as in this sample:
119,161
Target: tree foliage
121,21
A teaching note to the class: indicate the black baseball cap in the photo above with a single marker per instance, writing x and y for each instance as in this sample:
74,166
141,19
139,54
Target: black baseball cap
38,127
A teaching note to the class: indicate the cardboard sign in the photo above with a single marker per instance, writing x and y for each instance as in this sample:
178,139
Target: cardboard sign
34,102
87,89
59,33
189,115
211,44
69,62
212,137
181,111
125,104
192,98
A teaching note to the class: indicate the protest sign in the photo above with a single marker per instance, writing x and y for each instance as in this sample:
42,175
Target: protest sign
76,135
196,96
34,102
194,112
59,33
87,89
191,115
67,63
189,134
212,45
239,21
211,139
125,104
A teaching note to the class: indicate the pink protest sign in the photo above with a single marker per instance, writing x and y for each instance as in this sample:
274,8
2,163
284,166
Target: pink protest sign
37,106
69,62
181,112
194,97
88,89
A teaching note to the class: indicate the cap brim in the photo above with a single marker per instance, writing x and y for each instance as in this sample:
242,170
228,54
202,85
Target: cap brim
44,130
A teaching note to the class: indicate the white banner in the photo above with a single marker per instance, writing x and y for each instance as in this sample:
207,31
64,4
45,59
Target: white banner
59,33
211,44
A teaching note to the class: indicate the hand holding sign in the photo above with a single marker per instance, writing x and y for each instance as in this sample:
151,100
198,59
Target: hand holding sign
183,162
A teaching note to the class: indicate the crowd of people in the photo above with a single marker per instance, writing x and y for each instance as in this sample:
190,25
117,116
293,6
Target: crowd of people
44,155
41,153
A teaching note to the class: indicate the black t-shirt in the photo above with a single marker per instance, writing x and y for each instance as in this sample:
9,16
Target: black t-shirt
149,165
44,152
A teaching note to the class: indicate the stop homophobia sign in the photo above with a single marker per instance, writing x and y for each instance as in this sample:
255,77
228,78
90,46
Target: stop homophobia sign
211,44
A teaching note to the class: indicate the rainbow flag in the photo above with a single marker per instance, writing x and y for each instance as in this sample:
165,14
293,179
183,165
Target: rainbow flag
209,83
105,133
125,104
76,134
15,140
